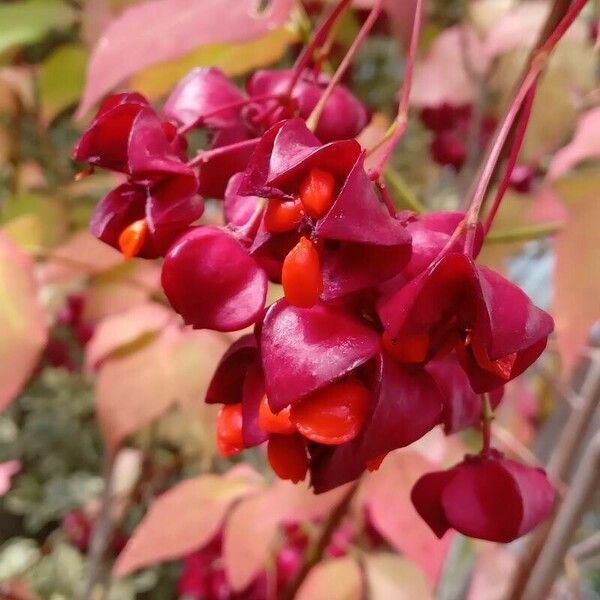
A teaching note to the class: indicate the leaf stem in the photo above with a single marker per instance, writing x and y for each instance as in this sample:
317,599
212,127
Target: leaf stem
232,105
487,416
206,155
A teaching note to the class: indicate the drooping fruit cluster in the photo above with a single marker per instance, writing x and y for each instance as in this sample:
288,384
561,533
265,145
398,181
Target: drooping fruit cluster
387,326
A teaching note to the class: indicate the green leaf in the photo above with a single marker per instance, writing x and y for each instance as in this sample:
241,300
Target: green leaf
28,21
61,81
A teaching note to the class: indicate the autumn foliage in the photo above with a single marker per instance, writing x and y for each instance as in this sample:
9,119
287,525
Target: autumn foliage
295,300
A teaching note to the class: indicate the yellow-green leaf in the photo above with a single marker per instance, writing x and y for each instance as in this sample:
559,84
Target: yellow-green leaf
27,21
34,222
23,328
232,59
61,81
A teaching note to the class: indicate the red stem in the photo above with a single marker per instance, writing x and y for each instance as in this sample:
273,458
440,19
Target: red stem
512,159
537,64
238,104
398,128
385,196
313,119
206,155
319,37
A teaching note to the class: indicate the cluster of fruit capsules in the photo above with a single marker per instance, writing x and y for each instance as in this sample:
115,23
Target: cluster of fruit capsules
450,126
387,326
70,335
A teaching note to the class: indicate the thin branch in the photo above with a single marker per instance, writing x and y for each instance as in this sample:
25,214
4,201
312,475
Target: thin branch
536,66
586,549
579,420
547,567
318,39
315,115
331,525
565,451
398,127
101,535
519,136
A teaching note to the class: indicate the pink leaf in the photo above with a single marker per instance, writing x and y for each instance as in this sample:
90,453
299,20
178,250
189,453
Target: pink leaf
183,519
124,329
251,528
520,28
584,145
162,30
335,579
441,76
81,255
7,471
492,574
576,281
23,328
135,389
387,496
401,15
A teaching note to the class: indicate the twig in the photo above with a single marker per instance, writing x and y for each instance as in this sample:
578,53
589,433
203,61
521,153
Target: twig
205,155
315,115
587,549
332,523
398,127
519,136
572,434
318,39
536,66
565,451
569,515
101,535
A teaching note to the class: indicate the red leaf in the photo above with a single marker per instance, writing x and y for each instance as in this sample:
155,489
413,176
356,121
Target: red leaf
162,30
23,328
335,579
387,496
183,519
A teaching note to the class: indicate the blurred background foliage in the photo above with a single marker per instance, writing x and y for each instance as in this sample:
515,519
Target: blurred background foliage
59,287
